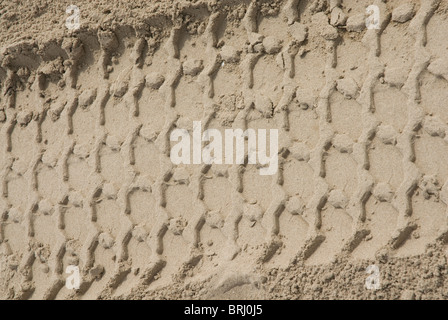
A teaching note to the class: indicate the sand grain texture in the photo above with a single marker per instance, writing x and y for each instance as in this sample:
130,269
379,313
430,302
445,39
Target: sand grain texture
86,177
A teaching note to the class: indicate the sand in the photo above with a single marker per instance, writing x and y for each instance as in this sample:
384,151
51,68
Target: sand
85,170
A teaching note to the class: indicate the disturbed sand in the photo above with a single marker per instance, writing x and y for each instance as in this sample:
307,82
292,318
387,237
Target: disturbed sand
85,170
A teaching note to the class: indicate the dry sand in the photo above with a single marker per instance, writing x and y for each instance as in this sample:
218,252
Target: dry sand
86,177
